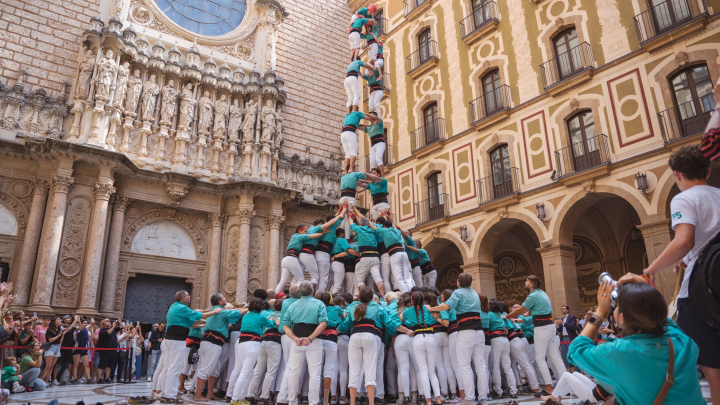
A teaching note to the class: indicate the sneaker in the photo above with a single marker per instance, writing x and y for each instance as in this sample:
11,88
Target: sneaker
342,401
55,383
445,399
228,399
304,400
541,393
149,379
333,401
509,395
90,382
454,400
379,401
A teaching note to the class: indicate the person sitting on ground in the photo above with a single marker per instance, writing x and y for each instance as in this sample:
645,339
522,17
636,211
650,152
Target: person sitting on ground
30,367
10,377
583,387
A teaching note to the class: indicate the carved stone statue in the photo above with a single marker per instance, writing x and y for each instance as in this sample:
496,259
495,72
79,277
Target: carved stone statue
187,103
134,87
205,112
167,109
86,71
268,120
121,84
248,126
221,113
105,75
150,92
278,133
235,120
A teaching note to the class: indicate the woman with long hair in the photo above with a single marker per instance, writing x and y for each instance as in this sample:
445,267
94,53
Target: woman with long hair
404,355
500,351
82,339
53,335
329,339
419,318
444,371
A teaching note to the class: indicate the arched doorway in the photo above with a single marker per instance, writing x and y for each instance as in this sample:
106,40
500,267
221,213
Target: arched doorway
447,260
512,270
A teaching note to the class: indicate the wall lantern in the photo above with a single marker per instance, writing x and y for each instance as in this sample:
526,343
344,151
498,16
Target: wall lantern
642,183
463,233
540,211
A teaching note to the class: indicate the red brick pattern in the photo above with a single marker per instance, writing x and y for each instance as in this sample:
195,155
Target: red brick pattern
44,38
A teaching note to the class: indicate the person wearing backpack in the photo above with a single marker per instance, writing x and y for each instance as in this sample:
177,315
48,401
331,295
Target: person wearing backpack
696,221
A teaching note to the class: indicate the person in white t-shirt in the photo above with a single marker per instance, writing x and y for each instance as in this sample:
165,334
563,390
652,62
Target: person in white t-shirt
695,220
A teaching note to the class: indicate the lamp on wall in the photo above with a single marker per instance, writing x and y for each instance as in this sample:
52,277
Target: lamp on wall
540,211
463,233
642,183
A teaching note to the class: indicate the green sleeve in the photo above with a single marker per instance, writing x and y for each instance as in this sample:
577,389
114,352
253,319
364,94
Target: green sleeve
186,312
323,314
596,360
287,319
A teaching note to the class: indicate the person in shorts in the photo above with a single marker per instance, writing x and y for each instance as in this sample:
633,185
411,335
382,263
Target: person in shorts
68,340
53,336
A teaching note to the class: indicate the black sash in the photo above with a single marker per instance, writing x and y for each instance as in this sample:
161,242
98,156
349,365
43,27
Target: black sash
271,335
453,327
381,248
349,128
348,192
352,73
380,55
308,248
191,341
519,334
377,139
303,330
371,41
249,337
366,326
329,334
469,321
426,268
350,264
438,328
600,393
414,262
498,333
214,337
531,340
487,338
395,248
177,332
542,320
324,246
292,253
375,87
379,198
354,30
369,251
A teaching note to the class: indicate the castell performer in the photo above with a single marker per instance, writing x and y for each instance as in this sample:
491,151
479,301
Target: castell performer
180,318
399,263
349,140
429,274
348,191
307,254
373,77
539,305
414,260
376,132
362,18
268,362
290,264
471,338
324,247
369,262
352,85
343,264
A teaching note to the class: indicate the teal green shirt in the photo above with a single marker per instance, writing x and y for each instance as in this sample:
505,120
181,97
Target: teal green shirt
359,23
341,245
353,119
196,332
620,362
334,315
283,311
364,12
305,310
464,300
410,242
485,320
380,47
346,325
366,235
374,312
256,322
538,303
354,246
391,236
410,318
355,66
527,327
179,314
330,236
311,230
374,80
393,321
381,187
423,256
220,321
375,130
297,241
496,321
350,180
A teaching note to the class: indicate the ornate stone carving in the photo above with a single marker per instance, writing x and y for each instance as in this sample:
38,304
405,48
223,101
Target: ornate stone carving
502,212
217,219
560,22
62,184
235,120
105,75
86,71
178,218
268,120
187,105
205,113
134,87
41,186
150,93
589,186
71,253
682,58
121,203
221,113
120,286
176,192
248,126
167,110
246,216
257,252
274,221
574,105
103,191
231,263
609,14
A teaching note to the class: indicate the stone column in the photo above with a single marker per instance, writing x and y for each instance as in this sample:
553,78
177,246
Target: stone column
213,282
28,256
246,214
483,275
274,222
560,282
112,257
657,236
51,243
93,255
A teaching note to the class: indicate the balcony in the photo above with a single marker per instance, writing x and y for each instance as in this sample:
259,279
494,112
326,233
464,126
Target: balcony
568,69
388,159
490,108
413,8
423,60
428,138
668,21
483,20
434,208
385,87
584,160
499,188
686,119
382,27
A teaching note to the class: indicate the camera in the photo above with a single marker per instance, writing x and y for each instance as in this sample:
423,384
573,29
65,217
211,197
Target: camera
605,277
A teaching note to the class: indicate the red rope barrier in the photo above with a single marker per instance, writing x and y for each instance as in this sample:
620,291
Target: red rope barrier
72,348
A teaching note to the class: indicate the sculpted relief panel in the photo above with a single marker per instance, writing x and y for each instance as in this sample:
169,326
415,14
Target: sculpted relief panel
166,239
72,251
8,224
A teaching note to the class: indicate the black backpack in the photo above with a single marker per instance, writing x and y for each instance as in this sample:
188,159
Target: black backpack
704,287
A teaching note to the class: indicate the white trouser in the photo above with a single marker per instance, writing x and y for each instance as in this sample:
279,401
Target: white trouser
454,364
234,337
488,365
379,209
385,270
354,39
545,345
323,265
286,343
374,105
350,147
329,352
380,369
443,341
188,368
577,383
338,271
362,356
501,364
352,88
266,368
308,263
299,355
379,63
401,271
246,355
351,287
425,350
341,369
417,276
531,358
209,356
391,372
430,279
367,265
518,351
471,347
372,51
405,356
377,153
222,369
159,372
291,269
175,354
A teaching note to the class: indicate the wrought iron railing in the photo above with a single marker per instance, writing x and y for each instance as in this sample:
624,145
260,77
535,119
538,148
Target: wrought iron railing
387,158
412,5
498,185
428,134
385,86
382,26
567,65
686,119
490,103
667,16
583,155
480,17
433,208
424,54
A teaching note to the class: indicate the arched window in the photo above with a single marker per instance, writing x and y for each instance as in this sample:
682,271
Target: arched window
693,95
435,196
585,145
430,123
205,17
501,171
667,14
569,56
491,92
425,46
